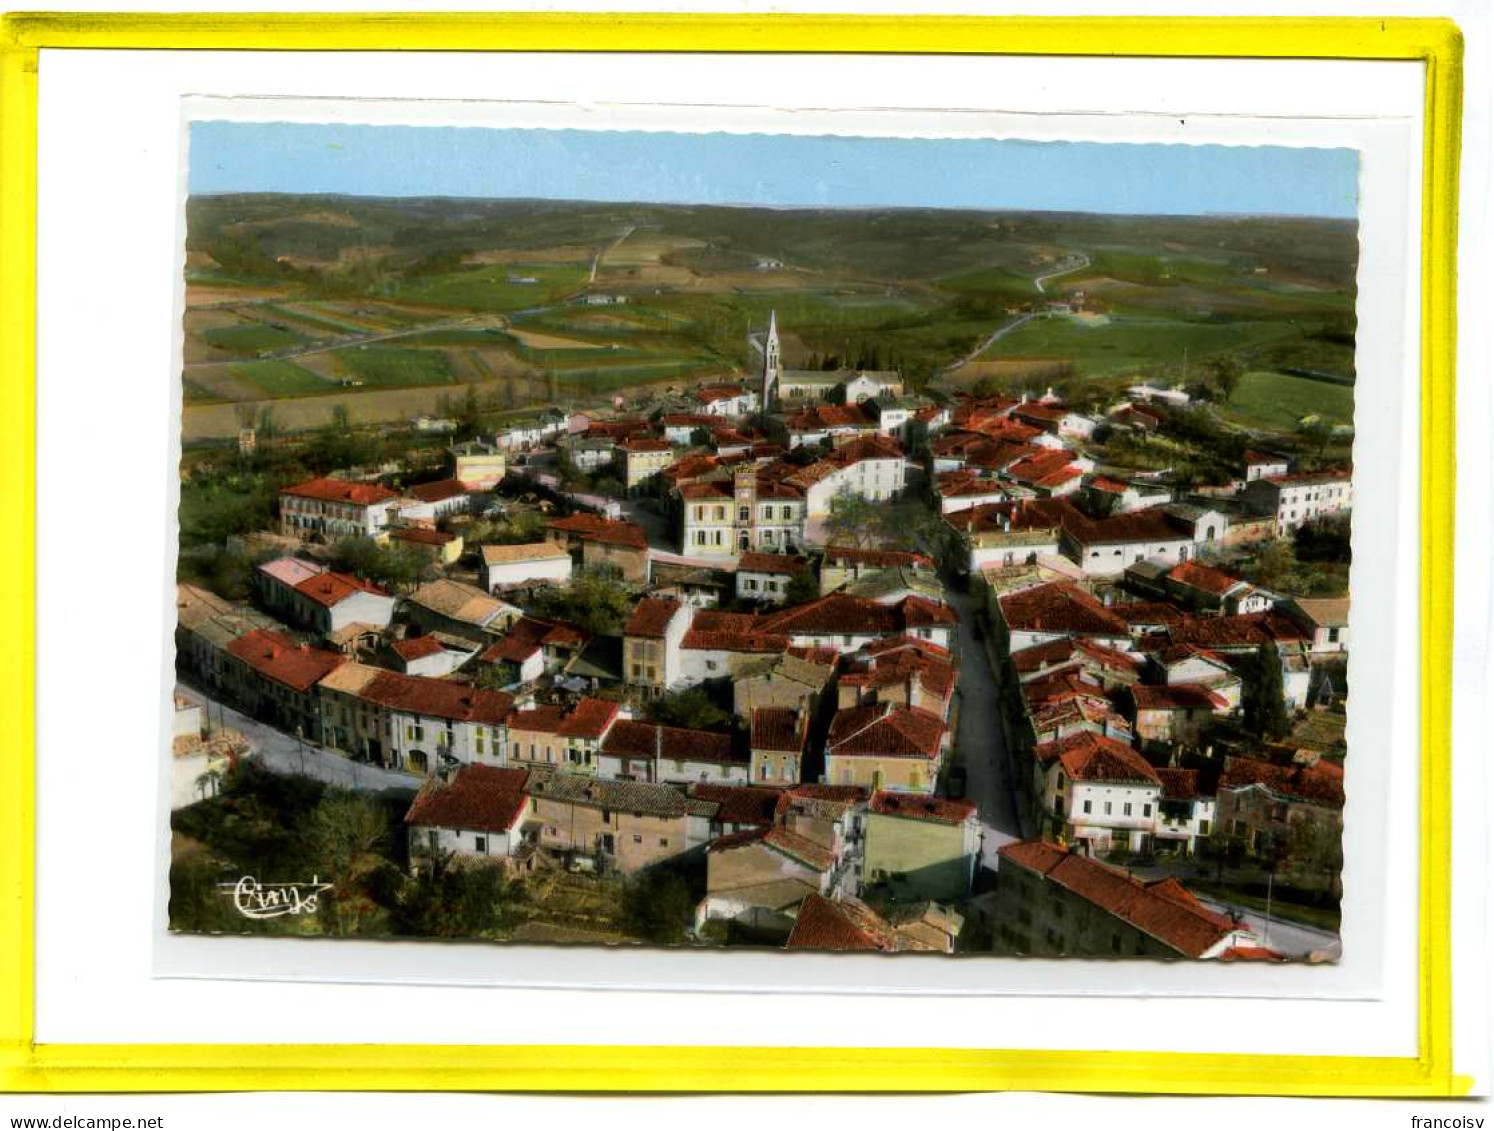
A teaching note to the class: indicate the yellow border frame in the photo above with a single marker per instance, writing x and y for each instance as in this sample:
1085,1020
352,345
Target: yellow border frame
26,1065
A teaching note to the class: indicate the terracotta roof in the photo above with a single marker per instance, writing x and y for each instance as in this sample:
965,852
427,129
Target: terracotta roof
885,730
1178,785
840,614
1149,612
439,491
589,719
635,739
416,647
1093,757
1246,630
1056,653
1301,478
825,925
281,659
483,798
290,571
542,718
1059,606
739,804
437,698
709,394
651,617
920,807
785,564
716,631
1177,697
816,418
876,558
778,728
1165,910
1321,783
1254,458
331,589
341,491
646,444
421,535
528,635
686,419
582,522
1204,578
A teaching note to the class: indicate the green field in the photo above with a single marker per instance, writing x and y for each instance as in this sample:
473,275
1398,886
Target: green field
1127,342
390,367
246,341
910,289
492,288
279,378
1277,401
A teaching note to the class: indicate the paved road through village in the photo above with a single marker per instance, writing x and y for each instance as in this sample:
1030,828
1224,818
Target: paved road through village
283,753
991,777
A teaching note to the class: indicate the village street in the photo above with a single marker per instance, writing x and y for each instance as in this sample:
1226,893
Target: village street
282,753
991,778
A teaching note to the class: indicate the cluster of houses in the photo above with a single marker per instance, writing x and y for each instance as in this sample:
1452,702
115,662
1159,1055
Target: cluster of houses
822,811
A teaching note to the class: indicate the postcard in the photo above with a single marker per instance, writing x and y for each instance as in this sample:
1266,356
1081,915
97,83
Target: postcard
787,542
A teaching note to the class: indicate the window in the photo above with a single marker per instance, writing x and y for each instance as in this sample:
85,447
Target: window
663,842
482,845
1128,809
1203,826
1107,808
1088,807
1146,810
637,838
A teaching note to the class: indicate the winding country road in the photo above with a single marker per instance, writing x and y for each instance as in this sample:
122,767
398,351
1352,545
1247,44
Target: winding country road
1041,280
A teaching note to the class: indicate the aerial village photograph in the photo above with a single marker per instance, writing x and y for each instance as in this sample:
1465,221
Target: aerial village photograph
901,545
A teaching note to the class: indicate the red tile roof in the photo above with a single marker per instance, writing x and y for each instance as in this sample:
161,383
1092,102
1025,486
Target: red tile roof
1177,697
921,807
340,491
1164,910
528,635
840,614
416,647
785,564
1321,783
715,631
630,738
818,417
825,925
1249,630
331,589
1057,653
1178,785
651,617
778,728
1093,757
739,804
542,718
876,558
422,536
885,730
439,491
1204,578
278,657
589,719
1327,475
709,394
480,798
643,444
1149,612
437,698
1059,607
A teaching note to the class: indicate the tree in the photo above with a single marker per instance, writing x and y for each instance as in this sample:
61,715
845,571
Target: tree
599,604
692,708
469,415
1324,539
1265,698
852,521
802,588
347,838
1226,374
397,567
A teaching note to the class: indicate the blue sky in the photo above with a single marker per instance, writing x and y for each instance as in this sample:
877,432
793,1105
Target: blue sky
770,170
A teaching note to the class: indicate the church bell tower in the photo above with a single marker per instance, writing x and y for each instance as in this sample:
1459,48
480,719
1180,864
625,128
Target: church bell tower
772,362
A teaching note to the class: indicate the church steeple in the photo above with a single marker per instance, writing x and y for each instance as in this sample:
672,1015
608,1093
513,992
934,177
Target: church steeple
772,362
